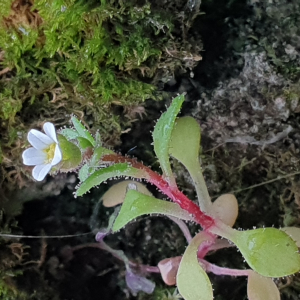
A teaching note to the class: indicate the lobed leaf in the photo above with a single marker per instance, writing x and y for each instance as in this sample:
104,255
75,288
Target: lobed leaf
192,281
116,170
162,135
137,204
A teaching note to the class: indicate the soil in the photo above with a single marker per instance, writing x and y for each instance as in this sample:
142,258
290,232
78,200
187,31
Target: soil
248,111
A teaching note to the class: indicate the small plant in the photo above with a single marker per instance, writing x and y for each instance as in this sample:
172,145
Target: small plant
269,252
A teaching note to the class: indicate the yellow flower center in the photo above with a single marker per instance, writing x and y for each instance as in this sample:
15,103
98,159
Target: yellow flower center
50,152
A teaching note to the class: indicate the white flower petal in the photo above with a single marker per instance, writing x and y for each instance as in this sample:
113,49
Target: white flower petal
57,156
39,172
32,157
50,131
39,140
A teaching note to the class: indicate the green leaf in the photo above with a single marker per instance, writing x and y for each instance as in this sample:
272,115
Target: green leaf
264,249
117,193
84,143
162,135
185,146
192,281
98,140
98,153
69,134
120,169
137,204
83,172
94,163
82,131
185,141
261,288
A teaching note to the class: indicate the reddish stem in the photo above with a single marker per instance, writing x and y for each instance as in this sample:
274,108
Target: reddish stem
204,248
171,191
222,271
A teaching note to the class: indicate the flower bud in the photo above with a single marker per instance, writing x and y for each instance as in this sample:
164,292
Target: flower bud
71,155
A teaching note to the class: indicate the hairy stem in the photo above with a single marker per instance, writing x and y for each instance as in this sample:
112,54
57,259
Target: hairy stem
183,227
171,191
222,271
205,247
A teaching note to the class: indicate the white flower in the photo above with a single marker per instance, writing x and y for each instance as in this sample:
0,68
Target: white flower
44,153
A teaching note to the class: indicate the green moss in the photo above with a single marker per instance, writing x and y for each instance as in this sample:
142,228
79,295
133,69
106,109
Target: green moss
8,292
8,106
5,7
84,57
87,48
